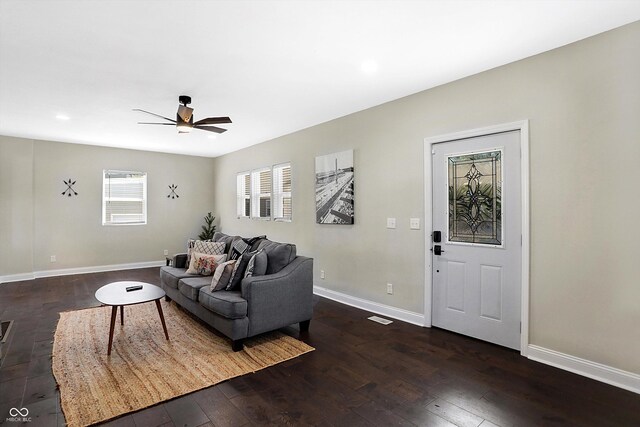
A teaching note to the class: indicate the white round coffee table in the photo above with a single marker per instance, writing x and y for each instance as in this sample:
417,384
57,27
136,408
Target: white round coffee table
116,295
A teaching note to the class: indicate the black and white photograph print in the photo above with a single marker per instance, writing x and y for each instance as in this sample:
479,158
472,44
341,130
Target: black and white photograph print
334,188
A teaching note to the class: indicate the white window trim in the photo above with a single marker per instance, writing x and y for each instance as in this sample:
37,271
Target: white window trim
144,199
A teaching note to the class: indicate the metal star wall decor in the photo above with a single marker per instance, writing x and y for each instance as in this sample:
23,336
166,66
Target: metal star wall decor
173,193
69,191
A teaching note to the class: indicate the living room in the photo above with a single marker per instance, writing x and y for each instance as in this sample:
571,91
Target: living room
579,104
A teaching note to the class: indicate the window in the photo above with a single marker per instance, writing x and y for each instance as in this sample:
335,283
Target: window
261,193
243,181
124,197
282,192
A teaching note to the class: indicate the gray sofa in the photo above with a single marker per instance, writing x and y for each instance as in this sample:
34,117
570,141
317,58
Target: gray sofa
281,297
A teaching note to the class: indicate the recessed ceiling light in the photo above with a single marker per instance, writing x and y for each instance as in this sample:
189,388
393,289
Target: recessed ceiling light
213,136
62,117
369,66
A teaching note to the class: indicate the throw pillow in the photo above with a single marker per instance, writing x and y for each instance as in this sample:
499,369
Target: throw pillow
208,247
190,244
222,275
251,267
204,264
254,241
260,263
238,248
239,270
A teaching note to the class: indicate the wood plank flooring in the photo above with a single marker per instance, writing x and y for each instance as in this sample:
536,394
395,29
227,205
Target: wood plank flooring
361,374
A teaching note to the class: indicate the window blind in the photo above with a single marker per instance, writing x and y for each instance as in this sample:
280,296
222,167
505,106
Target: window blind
124,198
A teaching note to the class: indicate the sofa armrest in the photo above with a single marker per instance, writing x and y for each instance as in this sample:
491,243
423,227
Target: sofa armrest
180,261
280,299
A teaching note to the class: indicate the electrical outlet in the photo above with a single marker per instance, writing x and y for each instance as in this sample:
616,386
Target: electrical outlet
391,223
322,274
53,258
166,251
389,288
414,223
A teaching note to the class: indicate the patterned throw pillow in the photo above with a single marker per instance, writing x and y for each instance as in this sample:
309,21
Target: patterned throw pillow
190,244
208,247
252,263
238,248
239,270
204,264
222,275
203,247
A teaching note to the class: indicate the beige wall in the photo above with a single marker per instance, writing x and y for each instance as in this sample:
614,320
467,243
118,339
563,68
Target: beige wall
39,222
16,206
583,103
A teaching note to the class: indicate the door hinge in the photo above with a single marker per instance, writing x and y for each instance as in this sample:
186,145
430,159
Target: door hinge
433,152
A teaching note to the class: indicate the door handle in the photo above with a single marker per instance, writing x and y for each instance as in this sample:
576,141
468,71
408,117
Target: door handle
437,250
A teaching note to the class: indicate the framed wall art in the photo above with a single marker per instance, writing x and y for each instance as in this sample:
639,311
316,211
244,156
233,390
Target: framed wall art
334,188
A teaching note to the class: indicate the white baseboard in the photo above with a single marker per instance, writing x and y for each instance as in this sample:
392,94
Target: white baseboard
597,371
16,277
374,307
79,270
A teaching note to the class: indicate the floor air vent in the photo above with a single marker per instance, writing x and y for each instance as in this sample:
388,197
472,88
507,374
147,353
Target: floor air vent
380,320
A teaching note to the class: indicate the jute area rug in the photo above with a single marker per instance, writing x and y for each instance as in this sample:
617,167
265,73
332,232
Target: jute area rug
144,368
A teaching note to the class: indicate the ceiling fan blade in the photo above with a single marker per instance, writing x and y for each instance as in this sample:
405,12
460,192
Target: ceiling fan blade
147,123
213,121
210,128
154,114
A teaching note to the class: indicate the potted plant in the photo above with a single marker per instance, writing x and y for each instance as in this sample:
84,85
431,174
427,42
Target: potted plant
208,228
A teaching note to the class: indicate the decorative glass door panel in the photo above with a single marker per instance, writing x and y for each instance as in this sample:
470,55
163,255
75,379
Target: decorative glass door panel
475,198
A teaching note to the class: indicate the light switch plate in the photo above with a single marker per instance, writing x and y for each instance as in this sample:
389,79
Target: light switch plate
391,223
414,223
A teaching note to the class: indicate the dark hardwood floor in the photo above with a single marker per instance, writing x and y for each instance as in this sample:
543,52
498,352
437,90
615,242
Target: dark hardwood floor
362,373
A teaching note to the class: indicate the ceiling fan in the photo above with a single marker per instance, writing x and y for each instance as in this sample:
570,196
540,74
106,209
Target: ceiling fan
184,119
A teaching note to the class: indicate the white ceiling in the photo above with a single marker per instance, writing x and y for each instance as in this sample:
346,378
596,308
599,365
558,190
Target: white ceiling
274,67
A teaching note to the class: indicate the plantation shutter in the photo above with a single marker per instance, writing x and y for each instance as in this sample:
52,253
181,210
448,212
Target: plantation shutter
261,193
282,192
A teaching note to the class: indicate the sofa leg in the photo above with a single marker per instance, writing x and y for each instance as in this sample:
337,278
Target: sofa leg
237,345
304,326
166,298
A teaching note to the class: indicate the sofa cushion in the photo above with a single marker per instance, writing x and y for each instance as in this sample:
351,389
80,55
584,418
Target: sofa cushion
171,275
190,286
279,255
229,304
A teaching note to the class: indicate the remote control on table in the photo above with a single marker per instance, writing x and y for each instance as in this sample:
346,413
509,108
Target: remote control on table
134,288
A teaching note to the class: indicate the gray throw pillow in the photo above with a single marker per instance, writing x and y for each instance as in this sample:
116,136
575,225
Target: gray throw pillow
279,255
260,264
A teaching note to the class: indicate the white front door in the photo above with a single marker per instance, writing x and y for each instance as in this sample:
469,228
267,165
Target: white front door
477,262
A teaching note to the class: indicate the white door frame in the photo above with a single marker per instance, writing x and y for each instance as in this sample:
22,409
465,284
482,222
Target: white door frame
523,127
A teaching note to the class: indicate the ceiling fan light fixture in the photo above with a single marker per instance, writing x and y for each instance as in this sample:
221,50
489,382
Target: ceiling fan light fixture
183,127
185,113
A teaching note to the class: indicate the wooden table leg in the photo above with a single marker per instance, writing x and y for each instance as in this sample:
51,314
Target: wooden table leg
164,325
114,312
122,315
